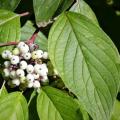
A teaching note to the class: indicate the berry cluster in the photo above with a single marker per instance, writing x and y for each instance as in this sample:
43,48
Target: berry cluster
25,66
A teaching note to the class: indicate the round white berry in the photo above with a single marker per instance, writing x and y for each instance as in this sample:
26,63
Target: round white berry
6,54
45,55
16,51
27,56
7,64
23,65
20,73
20,44
16,82
24,48
37,68
44,78
40,69
39,53
44,66
13,74
6,72
36,76
36,84
30,69
30,77
30,84
15,60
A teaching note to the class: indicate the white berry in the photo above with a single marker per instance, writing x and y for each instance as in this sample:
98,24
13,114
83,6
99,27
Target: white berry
15,60
41,69
16,82
20,44
45,55
27,56
7,64
30,84
36,76
23,65
36,84
30,77
20,73
13,74
6,72
30,69
44,66
24,48
44,78
6,54
39,53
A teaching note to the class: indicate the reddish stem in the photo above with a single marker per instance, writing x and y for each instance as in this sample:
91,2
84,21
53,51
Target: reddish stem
32,39
24,14
8,44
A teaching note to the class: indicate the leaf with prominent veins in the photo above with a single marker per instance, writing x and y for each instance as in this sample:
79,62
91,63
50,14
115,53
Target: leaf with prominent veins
9,27
87,61
53,104
13,107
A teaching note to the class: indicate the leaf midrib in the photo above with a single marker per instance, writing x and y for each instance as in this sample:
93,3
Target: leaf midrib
85,62
52,103
9,19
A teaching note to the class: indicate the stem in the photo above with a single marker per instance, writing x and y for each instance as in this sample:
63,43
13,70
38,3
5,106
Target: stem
24,14
32,39
8,44
31,97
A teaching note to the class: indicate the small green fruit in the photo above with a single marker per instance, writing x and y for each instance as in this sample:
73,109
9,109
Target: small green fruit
16,51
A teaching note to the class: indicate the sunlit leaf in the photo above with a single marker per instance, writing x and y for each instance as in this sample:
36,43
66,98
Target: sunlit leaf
9,27
87,61
83,8
13,107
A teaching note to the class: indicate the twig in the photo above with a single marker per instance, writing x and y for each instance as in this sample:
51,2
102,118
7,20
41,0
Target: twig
8,44
33,38
24,14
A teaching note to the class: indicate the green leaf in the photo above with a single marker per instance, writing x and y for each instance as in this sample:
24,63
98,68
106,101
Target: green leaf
83,8
27,31
87,62
32,106
9,27
64,5
53,104
3,91
13,107
9,4
116,111
44,10
82,109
